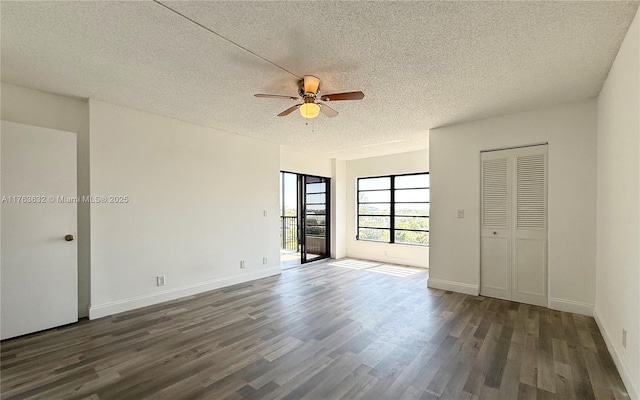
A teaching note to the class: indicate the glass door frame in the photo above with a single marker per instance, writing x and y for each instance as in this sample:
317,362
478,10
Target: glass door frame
302,217
301,214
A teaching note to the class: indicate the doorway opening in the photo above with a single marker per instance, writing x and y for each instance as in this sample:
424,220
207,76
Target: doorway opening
304,218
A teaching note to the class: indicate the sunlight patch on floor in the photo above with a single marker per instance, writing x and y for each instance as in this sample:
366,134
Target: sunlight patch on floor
388,269
353,264
395,270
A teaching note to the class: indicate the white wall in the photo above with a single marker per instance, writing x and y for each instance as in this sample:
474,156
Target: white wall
618,217
304,163
338,208
195,210
417,161
47,110
570,131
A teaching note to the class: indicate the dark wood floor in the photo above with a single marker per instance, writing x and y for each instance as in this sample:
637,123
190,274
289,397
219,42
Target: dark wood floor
320,332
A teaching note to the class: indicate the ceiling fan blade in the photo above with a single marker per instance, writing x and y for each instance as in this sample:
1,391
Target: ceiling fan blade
342,96
328,111
276,96
311,84
289,110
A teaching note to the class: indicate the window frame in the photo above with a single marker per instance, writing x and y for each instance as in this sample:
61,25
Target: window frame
392,208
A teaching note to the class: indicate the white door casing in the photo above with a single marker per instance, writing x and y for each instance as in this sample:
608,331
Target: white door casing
38,273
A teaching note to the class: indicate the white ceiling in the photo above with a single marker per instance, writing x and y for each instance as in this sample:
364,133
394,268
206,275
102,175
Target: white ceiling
420,64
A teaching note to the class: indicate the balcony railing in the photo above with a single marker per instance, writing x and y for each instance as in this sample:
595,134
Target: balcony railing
289,233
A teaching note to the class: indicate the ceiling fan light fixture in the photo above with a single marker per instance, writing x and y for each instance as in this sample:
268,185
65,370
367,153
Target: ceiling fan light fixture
309,110
309,96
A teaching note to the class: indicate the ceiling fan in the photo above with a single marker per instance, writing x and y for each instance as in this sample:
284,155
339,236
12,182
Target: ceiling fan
311,101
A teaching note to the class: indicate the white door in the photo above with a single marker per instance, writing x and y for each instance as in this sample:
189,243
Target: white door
514,225
495,271
38,270
529,225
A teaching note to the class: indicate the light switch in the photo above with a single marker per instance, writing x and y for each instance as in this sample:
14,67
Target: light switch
460,213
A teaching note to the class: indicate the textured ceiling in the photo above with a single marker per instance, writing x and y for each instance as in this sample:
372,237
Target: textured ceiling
420,64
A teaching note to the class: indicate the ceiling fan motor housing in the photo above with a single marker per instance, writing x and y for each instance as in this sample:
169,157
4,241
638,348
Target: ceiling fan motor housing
311,89
304,94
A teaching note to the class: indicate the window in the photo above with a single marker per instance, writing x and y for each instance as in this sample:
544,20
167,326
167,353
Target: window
394,209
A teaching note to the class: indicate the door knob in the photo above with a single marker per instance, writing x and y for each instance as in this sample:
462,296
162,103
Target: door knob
69,238
495,233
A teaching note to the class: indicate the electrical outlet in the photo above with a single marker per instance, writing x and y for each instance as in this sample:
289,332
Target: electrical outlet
460,213
265,260
242,264
624,338
160,280
264,213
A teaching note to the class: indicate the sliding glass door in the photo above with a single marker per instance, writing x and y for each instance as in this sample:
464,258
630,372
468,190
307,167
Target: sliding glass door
315,217
304,218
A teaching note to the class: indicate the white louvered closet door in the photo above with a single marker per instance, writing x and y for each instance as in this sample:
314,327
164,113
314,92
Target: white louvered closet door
521,193
495,238
530,225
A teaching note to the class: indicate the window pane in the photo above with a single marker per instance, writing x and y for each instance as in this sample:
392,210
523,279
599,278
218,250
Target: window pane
412,209
313,220
412,195
412,181
374,183
316,187
375,209
316,230
421,223
375,222
316,209
378,235
316,198
375,197
406,237
290,193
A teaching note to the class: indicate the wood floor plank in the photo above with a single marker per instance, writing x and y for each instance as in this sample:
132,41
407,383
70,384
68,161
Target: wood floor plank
318,332
546,373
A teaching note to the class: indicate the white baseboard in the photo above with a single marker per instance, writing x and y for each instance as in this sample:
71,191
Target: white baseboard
634,391
412,262
465,288
118,306
571,306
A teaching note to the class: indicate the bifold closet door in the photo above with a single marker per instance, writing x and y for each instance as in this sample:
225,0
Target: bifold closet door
514,225
530,225
495,240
